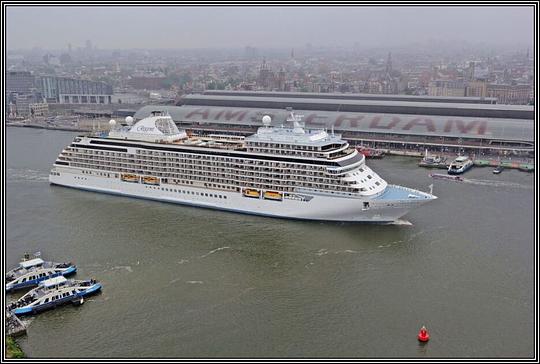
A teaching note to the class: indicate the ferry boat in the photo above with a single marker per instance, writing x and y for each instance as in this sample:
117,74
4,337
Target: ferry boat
460,165
33,269
52,293
318,174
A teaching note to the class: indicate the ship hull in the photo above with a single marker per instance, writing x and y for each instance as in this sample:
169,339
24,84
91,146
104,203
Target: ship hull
315,207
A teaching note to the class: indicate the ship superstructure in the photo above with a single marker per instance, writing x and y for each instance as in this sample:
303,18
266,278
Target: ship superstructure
288,172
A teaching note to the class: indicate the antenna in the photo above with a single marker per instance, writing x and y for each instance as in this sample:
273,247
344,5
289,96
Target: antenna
332,129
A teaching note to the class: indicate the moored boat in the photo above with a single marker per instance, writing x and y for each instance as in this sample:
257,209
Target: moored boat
32,270
498,170
370,152
460,165
52,293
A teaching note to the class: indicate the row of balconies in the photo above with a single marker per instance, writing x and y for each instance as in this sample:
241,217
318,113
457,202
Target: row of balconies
276,182
248,172
321,170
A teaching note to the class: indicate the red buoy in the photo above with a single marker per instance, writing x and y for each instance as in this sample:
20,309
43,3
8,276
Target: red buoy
423,335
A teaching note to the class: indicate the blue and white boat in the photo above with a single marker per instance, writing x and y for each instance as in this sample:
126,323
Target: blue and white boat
52,293
460,165
32,270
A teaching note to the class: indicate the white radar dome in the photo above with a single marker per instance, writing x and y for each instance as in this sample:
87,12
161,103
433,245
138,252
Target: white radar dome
266,120
112,122
129,120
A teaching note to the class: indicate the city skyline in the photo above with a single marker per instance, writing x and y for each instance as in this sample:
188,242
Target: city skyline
220,27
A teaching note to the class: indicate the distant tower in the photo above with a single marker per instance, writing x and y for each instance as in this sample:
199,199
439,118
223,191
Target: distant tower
471,70
527,53
69,47
281,79
389,63
265,75
292,53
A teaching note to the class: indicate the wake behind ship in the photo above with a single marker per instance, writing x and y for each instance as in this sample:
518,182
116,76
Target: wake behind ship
280,172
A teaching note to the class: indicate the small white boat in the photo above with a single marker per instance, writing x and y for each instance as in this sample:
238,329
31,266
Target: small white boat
52,293
33,269
498,170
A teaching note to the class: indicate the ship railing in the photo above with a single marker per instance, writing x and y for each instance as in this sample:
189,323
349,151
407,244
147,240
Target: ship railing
411,190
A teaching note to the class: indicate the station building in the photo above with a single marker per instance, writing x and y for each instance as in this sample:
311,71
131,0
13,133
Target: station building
452,127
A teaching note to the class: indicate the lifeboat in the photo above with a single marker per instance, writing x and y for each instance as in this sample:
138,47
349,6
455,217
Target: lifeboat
129,178
149,180
273,195
248,192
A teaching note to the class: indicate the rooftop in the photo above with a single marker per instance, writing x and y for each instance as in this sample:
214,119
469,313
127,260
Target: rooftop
53,281
374,106
298,136
31,263
342,96
365,122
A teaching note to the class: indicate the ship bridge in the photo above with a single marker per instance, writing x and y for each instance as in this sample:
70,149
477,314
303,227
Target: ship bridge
157,128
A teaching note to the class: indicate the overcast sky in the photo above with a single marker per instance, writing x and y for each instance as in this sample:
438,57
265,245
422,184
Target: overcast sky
192,27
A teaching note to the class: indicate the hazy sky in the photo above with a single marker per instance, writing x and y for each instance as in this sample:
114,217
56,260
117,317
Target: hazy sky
197,27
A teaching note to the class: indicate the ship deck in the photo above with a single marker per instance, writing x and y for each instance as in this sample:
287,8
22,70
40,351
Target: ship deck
393,193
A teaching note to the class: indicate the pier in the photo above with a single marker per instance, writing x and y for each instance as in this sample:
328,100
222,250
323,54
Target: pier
521,165
14,326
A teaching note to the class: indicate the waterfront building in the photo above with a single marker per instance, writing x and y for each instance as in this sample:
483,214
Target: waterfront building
39,109
21,82
353,96
25,103
438,126
66,90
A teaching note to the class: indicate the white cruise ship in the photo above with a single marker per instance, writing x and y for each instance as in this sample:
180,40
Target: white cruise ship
279,171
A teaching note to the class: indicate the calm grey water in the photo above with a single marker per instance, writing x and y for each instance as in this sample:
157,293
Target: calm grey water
190,282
